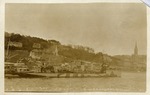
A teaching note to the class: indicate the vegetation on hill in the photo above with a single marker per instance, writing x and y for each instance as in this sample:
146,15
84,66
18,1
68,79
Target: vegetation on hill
79,54
27,41
67,52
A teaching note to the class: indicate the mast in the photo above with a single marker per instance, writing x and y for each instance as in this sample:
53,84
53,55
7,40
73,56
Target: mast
7,50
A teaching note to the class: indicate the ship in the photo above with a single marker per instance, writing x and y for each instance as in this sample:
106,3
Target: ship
66,75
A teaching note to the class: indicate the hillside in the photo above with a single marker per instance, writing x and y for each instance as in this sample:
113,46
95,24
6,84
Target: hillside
66,52
27,41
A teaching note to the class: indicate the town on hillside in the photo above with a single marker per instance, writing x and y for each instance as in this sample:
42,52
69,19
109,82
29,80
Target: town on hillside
37,55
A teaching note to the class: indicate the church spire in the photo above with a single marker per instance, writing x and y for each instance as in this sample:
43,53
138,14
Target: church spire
136,49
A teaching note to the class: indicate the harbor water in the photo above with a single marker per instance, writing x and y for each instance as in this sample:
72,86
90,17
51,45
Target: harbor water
128,82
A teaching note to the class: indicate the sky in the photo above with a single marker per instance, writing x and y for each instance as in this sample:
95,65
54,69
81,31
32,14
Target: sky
112,28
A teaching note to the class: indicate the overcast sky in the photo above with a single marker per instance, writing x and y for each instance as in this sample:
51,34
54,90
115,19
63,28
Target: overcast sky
111,28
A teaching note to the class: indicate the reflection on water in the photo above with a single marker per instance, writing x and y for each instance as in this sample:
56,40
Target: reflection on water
134,82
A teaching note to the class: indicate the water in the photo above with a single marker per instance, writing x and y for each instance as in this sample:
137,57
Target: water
129,82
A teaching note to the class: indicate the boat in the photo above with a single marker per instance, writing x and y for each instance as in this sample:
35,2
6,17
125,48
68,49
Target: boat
22,70
67,75
104,72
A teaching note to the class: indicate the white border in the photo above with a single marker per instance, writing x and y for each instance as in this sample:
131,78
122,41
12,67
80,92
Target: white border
2,7
72,1
2,47
148,50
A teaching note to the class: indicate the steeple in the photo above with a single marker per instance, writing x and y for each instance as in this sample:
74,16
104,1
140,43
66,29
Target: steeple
136,49
56,50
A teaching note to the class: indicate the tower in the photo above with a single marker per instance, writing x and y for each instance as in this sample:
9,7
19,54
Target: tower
135,50
56,51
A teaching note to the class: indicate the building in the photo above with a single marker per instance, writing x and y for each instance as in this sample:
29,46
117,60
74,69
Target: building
15,44
36,45
134,62
135,50
36,54
21,67
45,53
9,67
136,58
55,50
